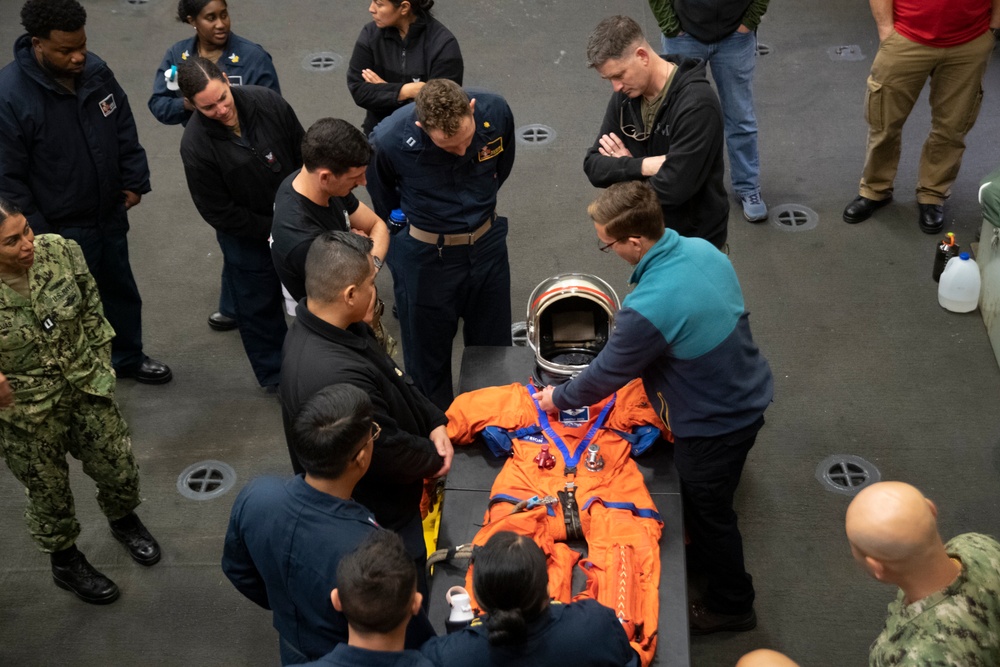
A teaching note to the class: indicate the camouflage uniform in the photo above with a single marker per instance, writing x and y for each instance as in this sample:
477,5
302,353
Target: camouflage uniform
959,626
55,350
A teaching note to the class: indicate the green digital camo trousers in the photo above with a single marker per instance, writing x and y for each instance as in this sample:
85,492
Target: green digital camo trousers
91,429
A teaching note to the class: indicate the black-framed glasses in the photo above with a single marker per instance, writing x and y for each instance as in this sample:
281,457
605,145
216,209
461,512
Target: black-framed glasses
606,247
631,131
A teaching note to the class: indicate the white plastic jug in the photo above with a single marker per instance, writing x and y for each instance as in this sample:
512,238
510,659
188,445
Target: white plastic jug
958,290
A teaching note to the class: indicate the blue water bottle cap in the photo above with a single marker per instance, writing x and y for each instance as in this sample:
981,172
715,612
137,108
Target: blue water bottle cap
397,215
964,255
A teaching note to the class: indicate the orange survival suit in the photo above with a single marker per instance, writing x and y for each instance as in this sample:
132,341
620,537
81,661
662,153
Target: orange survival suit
558,486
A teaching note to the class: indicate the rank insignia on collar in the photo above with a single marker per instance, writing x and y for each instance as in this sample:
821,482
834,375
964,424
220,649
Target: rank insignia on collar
410,141
185,55
486,124
490,150
234,58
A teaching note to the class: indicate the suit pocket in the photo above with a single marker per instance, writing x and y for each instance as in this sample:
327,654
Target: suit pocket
874,112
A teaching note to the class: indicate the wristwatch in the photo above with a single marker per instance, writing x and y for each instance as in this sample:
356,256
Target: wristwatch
378,262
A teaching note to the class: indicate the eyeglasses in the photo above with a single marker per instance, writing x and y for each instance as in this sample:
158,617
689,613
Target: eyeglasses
606,247
376,432
631,131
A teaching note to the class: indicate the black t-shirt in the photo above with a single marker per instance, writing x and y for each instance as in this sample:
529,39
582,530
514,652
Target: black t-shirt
297,221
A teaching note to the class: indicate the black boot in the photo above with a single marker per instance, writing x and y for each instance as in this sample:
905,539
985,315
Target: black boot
140,544
70,570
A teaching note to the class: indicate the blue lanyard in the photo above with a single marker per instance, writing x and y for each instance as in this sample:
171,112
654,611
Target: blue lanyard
572,460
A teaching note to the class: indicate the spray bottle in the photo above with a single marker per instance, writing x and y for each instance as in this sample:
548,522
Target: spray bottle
945,251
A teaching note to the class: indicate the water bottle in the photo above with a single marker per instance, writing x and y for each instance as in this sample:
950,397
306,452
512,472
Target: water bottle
958,290
397,221
945,251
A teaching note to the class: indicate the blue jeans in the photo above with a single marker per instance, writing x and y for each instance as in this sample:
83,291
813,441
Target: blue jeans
250,276
732,61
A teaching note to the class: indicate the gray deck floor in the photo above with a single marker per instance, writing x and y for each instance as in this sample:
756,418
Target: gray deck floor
865,361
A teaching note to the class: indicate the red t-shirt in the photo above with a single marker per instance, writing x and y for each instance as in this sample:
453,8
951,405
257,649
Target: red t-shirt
941,23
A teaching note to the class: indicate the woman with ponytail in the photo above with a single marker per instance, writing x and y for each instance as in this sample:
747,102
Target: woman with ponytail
521,626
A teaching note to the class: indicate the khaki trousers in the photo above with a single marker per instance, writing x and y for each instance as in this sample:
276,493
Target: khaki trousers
900,70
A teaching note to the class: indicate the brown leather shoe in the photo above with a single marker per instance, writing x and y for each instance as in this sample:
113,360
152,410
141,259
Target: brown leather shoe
703,621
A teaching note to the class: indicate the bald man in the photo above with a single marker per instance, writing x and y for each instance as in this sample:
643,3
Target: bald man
948,608
764,657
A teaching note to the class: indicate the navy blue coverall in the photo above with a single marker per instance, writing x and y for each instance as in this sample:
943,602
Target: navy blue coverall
442,193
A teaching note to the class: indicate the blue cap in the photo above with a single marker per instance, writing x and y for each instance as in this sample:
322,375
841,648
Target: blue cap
397,215
964,255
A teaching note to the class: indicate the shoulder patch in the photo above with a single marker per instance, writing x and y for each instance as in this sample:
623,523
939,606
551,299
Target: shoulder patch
108,105
76,254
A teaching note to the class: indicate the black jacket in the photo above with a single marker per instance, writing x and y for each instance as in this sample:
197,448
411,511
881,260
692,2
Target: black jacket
688,129
65,158
429,51
233,180
709,21
318,354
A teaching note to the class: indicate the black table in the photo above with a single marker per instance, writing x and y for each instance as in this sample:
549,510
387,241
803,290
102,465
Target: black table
474,469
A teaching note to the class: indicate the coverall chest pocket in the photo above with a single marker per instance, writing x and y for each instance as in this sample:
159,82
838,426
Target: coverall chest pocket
18,341
64,300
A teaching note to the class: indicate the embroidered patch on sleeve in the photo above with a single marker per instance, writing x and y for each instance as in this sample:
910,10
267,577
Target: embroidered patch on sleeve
108,105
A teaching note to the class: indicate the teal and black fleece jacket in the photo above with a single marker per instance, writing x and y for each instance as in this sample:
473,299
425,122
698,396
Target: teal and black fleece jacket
685,332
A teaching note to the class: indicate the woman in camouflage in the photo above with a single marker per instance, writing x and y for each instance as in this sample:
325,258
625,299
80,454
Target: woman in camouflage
57,398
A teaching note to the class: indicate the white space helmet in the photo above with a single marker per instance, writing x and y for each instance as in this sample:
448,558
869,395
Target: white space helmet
570,319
